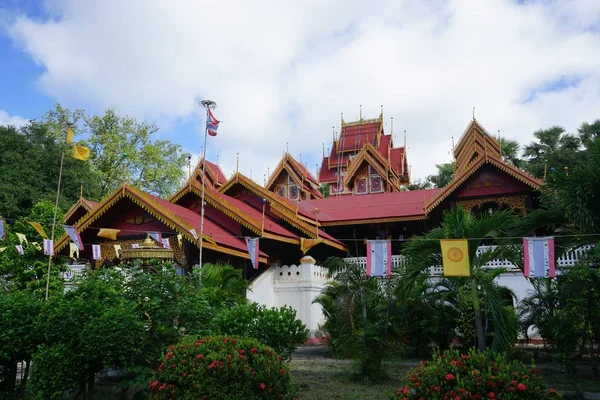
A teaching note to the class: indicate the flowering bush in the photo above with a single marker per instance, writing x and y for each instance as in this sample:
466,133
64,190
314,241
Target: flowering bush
451,375
221,367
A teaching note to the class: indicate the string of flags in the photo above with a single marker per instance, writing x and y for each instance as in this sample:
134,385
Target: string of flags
252,244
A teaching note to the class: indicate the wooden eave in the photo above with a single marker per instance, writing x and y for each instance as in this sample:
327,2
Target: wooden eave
474,167
75,207
375,220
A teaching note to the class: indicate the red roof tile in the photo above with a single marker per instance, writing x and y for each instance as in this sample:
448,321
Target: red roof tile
353,137
372,206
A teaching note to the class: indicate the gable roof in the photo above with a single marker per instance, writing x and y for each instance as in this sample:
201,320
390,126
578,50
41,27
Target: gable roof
354,135
298,217
486,159
242,213
214,174
79,209
300,175
370,155
177,218
372,208
473,144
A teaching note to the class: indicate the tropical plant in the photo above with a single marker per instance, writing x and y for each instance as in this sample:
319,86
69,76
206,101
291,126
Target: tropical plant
221,368
553,151
357,315
476,375
510,152
221,284
277,328
424,252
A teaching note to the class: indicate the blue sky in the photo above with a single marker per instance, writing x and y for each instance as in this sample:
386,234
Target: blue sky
282,73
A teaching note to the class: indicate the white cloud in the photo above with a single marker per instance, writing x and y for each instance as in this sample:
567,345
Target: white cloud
282,73
14,120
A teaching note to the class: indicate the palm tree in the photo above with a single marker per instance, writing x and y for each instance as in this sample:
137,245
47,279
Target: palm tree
424,252
589,132
554,150
222,284
510,152
357,313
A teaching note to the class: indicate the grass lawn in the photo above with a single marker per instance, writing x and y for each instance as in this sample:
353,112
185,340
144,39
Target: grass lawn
324,378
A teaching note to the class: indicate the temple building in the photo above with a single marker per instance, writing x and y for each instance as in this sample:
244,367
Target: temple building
367,200
364,160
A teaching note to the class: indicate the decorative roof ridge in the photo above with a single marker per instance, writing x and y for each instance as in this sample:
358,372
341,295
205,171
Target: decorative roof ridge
308,175
465,133
81,202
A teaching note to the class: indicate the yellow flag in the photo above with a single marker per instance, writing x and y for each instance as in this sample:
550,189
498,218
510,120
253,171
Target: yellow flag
455,256
36,245
81,153
2,249
69,135
38,228
109,233
22,238
307,244
73,250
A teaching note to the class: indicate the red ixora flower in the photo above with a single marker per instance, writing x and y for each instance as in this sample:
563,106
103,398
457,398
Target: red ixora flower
521,387
492,395
449,377
262,386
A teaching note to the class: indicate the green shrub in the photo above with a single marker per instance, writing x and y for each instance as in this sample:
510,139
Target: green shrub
475,375
219,368
274,327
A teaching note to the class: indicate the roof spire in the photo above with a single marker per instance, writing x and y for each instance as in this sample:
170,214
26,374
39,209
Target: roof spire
474,114
269,172
265,180
500,142
323,149
342,120
217,160
237,163
392,127
405,141
360,112
287,147
381,112
80,190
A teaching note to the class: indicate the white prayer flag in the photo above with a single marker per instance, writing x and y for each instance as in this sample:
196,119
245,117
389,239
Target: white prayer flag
96,253
165,243
379,257
74,235
20,249
156,236
252,244
48,247
539,257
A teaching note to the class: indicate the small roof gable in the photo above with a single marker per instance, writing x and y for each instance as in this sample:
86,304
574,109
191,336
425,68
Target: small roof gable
214,174
488,159
370,155
300,175
78,210
298,217
474,144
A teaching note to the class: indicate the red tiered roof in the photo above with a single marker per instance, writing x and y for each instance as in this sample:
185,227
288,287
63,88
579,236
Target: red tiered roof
353,137
381,207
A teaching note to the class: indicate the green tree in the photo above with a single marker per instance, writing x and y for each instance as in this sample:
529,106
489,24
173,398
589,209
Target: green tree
122,145
30,168
109,335
424,252
588,133
445,174
357,313
19,338
554,150
510,152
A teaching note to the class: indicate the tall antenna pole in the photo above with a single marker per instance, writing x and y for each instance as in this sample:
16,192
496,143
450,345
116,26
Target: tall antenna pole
208,105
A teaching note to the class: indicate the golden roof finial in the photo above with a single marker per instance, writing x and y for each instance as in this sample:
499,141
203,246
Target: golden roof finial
405,141
287,147
392,126
269,172
500,142
360,112
342,120
237,163
473,113
323,149
80,190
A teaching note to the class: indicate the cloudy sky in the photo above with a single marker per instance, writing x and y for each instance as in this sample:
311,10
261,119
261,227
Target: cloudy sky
283,71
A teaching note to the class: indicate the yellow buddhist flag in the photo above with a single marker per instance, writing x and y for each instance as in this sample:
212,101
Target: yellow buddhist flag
109,233
22,238
73,250
69,135
38,228
307,244
455,257
81,153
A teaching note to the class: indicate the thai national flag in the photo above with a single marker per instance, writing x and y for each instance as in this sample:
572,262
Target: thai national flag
212,124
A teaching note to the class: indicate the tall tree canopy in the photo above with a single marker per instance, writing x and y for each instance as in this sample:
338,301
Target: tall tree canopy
554,150
29,166
510,152
123,146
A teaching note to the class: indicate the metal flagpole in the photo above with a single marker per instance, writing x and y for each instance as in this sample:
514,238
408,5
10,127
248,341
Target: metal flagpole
208,105
62,159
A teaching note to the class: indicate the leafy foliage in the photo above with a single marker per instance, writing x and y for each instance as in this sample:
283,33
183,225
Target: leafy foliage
221,367
277,328
553,151
357,313
476,375
122,145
